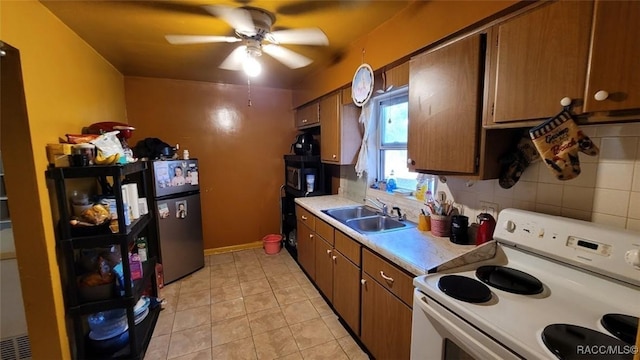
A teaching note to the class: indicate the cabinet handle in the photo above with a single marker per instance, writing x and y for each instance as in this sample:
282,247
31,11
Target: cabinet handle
304,121
565,101
334,257
389,279
334,156
310,236
410,162
601,95
303,217
363,281
329,252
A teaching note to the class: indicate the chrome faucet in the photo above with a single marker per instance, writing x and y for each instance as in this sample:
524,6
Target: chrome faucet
380,205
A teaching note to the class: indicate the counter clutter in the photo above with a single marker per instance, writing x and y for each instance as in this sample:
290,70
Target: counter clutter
418,252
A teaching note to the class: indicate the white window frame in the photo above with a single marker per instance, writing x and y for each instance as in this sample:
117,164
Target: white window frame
391,97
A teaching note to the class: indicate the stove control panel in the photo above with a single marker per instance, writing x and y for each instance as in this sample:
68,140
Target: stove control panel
608,251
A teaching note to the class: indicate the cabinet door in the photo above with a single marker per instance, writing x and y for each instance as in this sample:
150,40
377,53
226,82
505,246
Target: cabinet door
443,107
307,115
306,249
330,128
540,58
346,290
386,322
615,57
324,267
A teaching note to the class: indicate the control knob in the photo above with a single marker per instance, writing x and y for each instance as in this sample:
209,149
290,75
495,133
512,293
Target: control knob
632,257
509,225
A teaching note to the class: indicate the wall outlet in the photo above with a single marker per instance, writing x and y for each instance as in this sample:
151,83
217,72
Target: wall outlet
489,208
442,196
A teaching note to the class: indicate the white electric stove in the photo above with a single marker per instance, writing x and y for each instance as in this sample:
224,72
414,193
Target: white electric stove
543,296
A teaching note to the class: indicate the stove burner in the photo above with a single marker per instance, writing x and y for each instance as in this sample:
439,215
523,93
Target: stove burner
624,327
464,288
573,342
508,279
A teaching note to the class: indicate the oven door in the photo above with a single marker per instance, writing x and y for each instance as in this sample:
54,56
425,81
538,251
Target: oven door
439,334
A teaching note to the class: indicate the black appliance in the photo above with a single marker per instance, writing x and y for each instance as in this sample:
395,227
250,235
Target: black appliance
295,185
305,144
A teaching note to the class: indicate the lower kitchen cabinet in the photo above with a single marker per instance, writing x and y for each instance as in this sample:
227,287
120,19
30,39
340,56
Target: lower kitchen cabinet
386,322
306,248
324,267
387,294
346,290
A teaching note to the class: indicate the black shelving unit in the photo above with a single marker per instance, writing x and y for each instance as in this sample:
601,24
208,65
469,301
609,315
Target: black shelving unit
322,186
69,242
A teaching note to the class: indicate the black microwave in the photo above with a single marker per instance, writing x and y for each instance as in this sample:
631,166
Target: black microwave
297,177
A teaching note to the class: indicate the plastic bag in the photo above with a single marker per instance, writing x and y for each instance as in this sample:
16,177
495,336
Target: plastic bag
109,144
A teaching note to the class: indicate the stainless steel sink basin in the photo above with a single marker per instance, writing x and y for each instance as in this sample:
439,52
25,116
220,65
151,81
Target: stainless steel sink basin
348,213
376,224
366,220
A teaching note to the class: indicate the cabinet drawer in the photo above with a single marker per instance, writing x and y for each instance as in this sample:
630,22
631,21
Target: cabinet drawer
348,247
325,231
305,217
389,276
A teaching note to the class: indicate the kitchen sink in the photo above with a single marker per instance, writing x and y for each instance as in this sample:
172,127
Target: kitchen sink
366,220
348,213
375,224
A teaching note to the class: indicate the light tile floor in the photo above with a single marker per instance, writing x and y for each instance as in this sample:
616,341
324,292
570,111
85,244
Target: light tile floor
248,305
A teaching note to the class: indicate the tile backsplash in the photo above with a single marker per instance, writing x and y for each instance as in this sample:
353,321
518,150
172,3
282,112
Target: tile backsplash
607,191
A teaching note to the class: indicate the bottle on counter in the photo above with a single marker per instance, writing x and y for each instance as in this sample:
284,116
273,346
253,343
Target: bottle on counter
391,182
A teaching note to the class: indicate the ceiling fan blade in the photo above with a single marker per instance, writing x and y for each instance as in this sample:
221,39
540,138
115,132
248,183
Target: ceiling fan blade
288,57
199,39
306,36
235,59
239,18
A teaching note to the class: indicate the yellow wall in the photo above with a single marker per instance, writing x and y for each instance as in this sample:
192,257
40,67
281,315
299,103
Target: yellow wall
67,86
417,26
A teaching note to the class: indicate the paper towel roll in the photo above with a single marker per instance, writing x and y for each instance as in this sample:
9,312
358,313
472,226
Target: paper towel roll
132,196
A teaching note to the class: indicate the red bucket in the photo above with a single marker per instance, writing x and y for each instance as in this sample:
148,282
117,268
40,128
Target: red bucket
272,243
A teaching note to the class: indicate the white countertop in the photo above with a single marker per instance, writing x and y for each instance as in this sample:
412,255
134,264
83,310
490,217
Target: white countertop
416,251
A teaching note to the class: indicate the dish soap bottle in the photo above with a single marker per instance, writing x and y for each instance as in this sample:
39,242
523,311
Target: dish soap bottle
391,182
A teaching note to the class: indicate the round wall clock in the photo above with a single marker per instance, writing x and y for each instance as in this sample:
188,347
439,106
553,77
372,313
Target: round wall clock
362,85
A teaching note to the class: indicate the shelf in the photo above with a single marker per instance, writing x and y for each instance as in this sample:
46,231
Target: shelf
148,270
300,193
96,170
102,305
143,333
303,158
103,240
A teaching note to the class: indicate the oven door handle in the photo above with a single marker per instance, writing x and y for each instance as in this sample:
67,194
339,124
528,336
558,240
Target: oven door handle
469,344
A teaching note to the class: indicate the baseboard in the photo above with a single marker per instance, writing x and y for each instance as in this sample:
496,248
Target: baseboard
224,249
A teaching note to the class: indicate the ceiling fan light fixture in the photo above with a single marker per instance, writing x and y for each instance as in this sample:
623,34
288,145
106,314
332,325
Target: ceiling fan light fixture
251,66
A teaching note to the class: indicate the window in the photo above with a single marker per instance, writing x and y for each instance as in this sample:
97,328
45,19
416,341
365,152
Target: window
393,111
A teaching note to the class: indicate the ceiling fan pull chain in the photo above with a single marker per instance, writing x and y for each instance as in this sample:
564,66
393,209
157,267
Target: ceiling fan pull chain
249,91
363,55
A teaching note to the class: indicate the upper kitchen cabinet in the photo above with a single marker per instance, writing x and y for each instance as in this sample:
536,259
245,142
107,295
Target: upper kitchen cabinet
444,102
308,115
340,135
397,76
538,58
613,79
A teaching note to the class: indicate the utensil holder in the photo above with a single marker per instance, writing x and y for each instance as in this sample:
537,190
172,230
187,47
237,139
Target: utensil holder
441,225
424,222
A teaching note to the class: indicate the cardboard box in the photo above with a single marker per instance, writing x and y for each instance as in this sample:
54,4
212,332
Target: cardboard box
58,154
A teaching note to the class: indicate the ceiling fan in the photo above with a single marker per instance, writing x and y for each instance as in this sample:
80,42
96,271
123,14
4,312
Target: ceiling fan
253,28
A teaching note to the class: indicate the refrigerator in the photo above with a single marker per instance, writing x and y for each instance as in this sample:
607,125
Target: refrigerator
176,202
